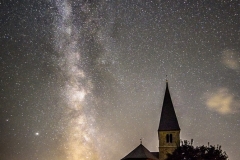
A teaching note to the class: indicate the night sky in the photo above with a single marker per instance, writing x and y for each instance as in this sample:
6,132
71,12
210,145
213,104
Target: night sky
86,79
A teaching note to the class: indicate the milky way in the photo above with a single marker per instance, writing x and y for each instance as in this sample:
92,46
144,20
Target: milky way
86,79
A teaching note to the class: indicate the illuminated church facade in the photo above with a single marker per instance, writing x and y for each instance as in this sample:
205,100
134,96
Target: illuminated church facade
168,134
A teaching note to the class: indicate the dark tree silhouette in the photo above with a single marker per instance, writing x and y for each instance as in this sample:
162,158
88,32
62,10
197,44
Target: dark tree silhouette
187,152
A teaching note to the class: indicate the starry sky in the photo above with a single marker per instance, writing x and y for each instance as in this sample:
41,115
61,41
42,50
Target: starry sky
86,79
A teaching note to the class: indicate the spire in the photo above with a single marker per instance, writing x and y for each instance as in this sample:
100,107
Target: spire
168,120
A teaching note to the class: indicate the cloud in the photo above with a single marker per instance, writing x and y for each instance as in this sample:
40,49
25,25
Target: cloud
231,59
222,101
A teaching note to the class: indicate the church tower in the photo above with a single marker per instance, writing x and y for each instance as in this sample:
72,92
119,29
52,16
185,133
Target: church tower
168,130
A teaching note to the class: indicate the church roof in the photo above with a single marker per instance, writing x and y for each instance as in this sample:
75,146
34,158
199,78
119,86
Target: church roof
156,154
168,120
140,153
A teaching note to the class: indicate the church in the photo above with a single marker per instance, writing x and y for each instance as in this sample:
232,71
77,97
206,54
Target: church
168,134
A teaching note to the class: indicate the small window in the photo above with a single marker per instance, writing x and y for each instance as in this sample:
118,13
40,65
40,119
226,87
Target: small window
169,138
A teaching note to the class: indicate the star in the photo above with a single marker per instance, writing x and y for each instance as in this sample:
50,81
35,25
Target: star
92,75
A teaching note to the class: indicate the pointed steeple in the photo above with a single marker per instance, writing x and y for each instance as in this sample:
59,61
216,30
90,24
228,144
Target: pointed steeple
168,120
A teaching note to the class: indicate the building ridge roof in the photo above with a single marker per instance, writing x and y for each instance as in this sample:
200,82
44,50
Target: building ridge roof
140,152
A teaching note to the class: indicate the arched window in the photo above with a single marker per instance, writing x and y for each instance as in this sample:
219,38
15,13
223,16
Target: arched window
169,138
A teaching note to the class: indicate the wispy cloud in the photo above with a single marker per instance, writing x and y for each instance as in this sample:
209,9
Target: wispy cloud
231,59
222,101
